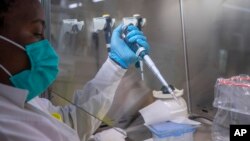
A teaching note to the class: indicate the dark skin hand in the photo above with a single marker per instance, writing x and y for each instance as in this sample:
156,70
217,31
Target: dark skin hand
23,24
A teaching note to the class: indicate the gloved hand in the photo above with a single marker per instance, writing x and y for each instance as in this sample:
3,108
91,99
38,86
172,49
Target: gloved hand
121,52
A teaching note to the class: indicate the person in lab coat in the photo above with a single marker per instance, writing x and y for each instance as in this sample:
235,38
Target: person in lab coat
29,64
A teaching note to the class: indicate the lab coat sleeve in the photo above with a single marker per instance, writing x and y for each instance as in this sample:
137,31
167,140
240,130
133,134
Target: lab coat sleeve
94,99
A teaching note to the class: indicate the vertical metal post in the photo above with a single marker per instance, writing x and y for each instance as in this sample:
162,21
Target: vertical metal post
185,55
47,9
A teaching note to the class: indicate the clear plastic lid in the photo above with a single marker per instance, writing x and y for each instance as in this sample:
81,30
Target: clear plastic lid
233,94
170,129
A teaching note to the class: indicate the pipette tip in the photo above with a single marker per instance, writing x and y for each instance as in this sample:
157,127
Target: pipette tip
175,98
170,90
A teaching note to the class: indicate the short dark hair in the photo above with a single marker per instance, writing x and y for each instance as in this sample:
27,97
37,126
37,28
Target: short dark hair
4,7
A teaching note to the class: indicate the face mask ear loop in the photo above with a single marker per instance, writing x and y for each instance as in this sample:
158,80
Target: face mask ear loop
5,70
8,40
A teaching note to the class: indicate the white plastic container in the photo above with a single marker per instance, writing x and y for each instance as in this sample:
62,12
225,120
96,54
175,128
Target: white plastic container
169,131
175,109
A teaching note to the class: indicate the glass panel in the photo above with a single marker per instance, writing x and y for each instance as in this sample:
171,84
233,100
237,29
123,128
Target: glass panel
217,42
81,59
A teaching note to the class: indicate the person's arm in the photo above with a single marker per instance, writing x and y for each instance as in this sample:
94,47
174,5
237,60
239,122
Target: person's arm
97,95
100,91
95,99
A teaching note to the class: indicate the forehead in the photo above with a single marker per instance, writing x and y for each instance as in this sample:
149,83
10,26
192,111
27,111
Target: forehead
26,10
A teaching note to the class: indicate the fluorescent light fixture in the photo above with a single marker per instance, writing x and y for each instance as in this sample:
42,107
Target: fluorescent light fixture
97,0
75,5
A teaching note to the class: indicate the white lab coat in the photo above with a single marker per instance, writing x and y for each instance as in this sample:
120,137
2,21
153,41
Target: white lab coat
20,121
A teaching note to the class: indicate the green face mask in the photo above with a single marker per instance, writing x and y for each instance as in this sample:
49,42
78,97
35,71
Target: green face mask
44,68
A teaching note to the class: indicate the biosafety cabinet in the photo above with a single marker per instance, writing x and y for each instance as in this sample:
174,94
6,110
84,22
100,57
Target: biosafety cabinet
193,42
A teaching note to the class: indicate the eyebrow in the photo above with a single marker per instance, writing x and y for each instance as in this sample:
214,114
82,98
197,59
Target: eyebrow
39,21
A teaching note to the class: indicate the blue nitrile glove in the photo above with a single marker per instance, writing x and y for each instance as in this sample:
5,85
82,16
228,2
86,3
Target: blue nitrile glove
120,51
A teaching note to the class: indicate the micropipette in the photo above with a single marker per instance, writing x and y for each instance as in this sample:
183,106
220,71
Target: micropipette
139,22
104,23
142,54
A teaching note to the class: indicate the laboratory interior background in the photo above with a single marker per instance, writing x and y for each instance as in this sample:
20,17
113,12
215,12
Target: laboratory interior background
193,43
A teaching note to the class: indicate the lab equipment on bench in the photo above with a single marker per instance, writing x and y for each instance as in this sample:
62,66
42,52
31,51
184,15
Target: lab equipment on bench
174,109
168,120
143,55
139,22
232,100
165,108
170,131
